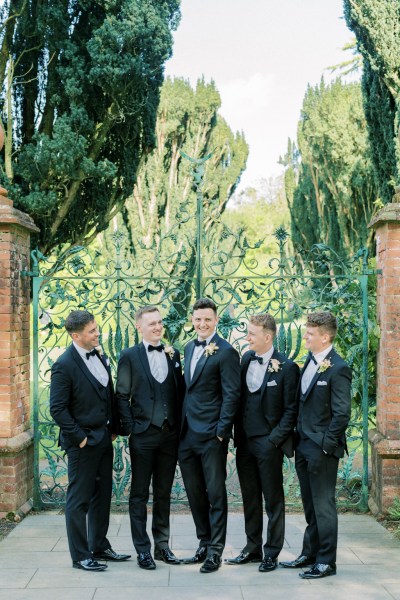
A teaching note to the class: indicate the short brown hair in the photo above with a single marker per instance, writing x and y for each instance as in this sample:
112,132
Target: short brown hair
204,303
326,321
264,320
149,308
77,320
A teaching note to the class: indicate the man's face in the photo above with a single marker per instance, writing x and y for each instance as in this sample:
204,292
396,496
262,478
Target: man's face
260,340
150,326
316,339
88,337
204,321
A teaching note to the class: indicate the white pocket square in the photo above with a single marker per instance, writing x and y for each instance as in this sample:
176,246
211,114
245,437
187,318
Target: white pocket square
271,383
322,383
176,365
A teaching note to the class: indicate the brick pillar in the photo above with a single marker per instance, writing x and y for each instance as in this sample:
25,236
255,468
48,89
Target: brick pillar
16,436
385,439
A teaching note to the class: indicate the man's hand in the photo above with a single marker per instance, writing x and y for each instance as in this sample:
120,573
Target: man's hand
83,443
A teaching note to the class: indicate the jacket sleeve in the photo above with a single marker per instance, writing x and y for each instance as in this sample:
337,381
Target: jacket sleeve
230,386
123,392
60,403
282,430
340,408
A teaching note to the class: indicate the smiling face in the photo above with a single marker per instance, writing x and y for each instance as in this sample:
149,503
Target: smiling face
88,337
260,339
205,322
150,326
316,339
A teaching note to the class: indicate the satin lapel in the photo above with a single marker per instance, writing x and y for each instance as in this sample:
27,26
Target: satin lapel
77,358
202,361
267,376
188,360
171,368
145,362
316,377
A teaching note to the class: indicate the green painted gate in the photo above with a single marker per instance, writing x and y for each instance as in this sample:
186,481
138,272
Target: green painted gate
199,256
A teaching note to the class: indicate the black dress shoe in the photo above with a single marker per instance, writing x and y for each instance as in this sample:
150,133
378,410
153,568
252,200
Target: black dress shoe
268,564
145,561
319,570
167,556
297,563
88,565
199,557
244,557
212,563
109,554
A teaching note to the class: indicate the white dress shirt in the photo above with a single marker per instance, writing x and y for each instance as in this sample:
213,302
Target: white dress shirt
312,368
94,365
256,371
197,353
157,362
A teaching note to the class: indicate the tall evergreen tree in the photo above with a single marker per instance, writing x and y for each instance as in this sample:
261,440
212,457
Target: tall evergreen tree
82,80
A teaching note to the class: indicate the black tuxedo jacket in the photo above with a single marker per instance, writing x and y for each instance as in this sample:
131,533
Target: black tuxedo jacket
76,404
212,395
278,402
327,405
134,389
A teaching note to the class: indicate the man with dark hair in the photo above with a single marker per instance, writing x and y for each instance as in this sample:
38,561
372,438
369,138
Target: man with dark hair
82,405
149,396
263,433
324,408
212,376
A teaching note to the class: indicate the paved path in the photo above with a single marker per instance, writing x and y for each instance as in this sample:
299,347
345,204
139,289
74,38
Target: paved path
35,565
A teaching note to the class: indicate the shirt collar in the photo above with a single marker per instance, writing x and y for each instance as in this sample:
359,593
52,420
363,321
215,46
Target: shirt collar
147,344
267,355
321,355
81,351
208,340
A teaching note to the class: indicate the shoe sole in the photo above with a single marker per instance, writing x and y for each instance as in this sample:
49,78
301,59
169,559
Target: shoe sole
304,576
246,562
94,570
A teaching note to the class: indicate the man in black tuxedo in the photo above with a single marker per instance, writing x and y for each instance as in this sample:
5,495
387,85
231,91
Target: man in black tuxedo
263,433
149,396
212,376
324,409
82,405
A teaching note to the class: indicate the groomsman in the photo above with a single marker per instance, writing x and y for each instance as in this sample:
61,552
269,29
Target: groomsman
82,405
263,434
212,376
149,396
323,414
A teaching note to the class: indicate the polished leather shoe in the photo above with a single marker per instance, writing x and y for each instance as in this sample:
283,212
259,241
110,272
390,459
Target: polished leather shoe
268,564
166,555
109,554
297,563
88,565
212,563
244,558
319,570
145,561
199,557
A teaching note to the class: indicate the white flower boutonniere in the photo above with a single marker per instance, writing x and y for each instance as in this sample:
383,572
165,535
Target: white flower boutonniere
274,365
100,352
326,364
170,351
210,349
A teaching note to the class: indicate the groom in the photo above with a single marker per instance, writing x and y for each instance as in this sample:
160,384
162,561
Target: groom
212,375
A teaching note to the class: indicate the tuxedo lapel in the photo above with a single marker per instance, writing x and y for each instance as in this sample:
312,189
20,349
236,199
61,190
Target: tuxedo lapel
145,362
201,362
316,376
267,374
83,368
188,360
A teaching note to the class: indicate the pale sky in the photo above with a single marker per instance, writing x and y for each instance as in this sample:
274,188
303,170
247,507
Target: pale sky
261,55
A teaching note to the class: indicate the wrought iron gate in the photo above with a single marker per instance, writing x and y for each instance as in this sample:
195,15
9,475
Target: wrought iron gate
199,256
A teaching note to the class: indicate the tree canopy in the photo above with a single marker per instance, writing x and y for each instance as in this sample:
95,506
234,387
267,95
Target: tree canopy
81,91
376,24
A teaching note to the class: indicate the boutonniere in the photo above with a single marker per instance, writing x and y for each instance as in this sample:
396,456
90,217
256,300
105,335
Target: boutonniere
326,364
170,351
210,349
274,365
101,354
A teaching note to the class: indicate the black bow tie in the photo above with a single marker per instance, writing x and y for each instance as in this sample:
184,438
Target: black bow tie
92,353
257,358
159,348
312,357
200,343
